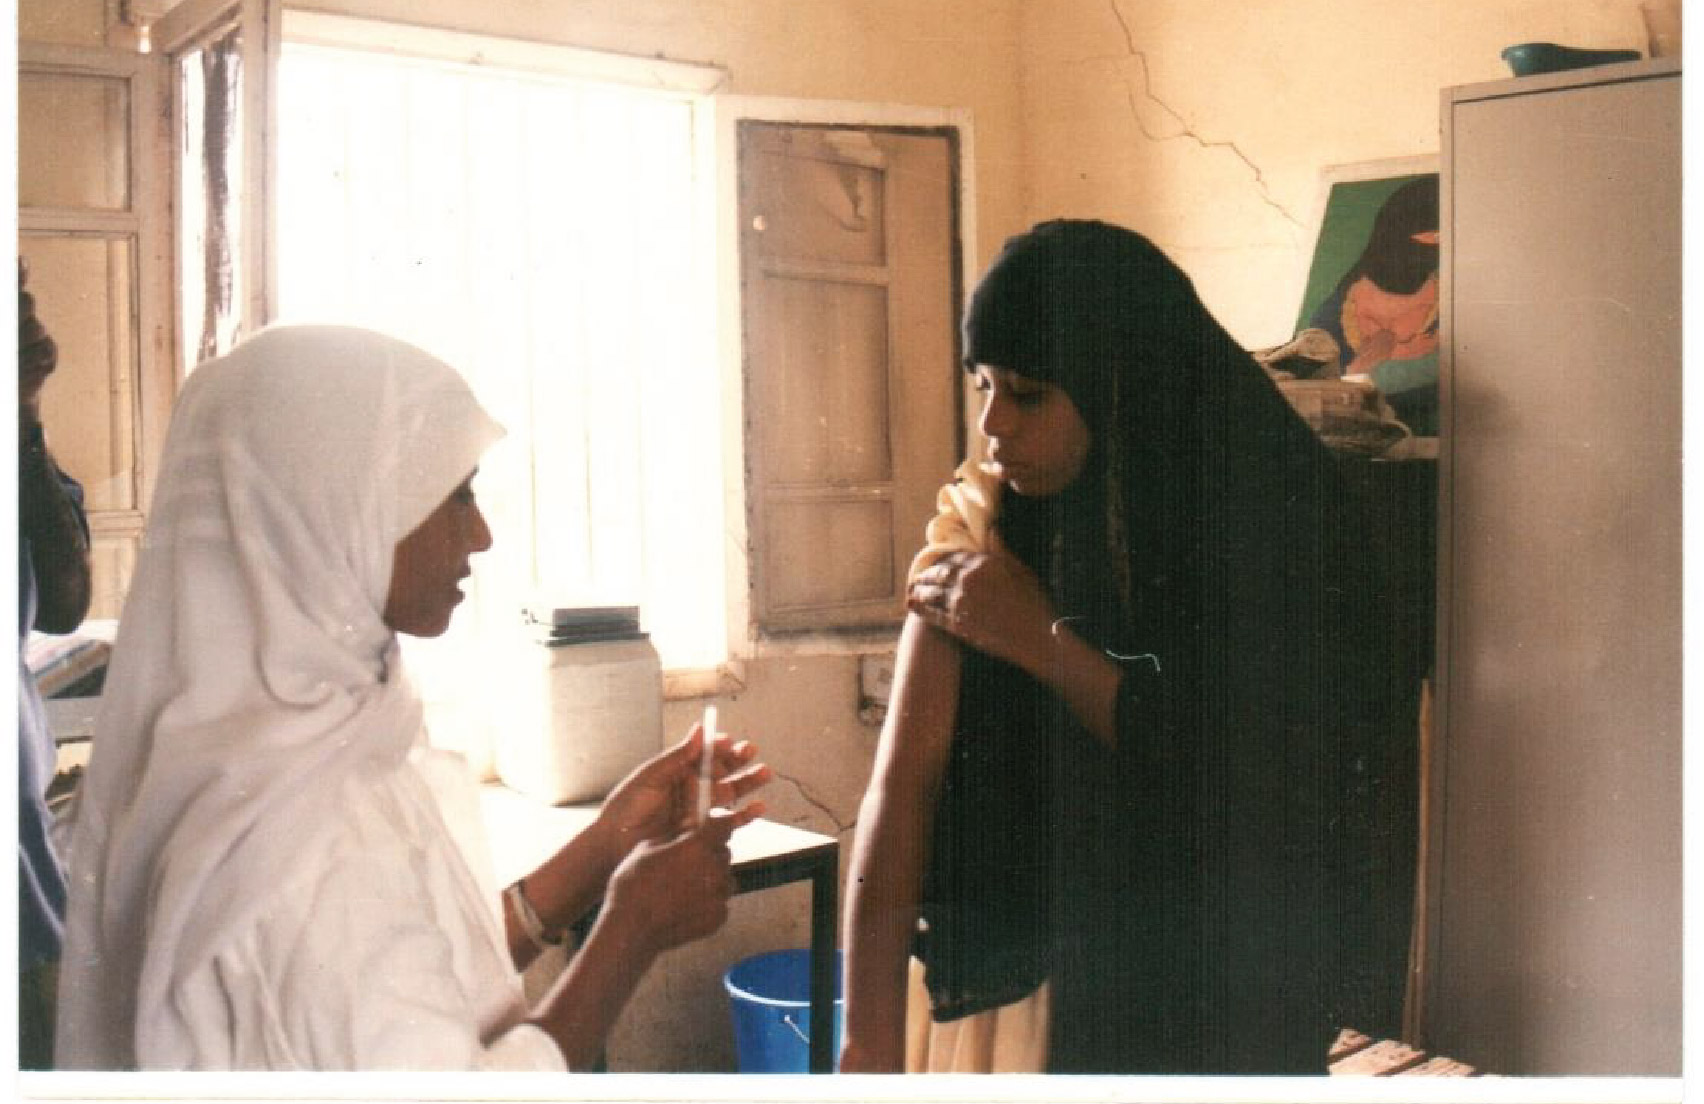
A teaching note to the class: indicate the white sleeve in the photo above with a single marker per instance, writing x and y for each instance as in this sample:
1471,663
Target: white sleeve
365,964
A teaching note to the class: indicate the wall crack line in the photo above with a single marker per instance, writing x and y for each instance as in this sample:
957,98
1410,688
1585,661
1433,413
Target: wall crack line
811,799
1184,129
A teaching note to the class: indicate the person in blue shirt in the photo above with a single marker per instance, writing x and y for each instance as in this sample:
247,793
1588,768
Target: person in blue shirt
53,597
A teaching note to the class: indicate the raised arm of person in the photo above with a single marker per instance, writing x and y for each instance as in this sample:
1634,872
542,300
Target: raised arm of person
995,604
884,880
51,519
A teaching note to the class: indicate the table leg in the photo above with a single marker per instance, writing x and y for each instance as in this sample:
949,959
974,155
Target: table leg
824,918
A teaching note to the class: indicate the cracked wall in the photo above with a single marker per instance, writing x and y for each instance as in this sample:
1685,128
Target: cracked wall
1205,126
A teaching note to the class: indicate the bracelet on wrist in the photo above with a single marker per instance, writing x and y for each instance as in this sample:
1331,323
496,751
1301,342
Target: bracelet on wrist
528,918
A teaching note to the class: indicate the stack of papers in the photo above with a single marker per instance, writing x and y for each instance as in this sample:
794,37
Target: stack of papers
555,625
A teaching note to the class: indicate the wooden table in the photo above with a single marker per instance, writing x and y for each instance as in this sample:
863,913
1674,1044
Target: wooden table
524,832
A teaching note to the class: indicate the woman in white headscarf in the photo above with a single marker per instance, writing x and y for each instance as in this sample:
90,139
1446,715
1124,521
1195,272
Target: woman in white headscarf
271,868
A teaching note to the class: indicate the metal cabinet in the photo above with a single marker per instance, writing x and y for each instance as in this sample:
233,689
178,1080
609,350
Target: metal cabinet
1553,929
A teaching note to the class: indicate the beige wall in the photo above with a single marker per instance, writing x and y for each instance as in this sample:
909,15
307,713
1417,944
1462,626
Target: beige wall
1205,126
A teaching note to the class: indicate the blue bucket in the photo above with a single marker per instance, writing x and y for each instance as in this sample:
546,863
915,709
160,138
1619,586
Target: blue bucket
772,1011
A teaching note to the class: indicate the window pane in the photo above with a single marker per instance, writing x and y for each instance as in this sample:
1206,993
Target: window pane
538,235
84,293
72,142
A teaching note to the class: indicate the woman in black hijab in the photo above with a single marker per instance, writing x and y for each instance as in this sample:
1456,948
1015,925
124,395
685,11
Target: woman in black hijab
1129,753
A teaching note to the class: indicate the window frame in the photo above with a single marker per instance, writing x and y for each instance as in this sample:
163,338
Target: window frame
145,224
190,25
475,49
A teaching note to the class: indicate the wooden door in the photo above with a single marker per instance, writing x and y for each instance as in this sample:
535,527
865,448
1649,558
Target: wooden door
848,270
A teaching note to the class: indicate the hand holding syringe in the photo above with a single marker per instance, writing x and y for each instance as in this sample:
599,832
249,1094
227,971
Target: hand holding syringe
661,809
722,771
675,790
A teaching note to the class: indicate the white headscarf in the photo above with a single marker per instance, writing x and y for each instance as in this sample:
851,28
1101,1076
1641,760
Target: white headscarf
253,670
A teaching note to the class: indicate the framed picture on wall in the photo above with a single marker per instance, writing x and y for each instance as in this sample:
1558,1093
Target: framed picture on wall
1372,282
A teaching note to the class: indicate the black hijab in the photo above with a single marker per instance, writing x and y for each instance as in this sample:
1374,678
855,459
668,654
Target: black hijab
1392,258
1170,399
1172,888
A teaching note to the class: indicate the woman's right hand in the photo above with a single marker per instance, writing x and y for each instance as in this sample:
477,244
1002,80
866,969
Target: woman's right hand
989,600
670,892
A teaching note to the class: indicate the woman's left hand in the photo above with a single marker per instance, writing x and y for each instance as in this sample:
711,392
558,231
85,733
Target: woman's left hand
990,600
657,800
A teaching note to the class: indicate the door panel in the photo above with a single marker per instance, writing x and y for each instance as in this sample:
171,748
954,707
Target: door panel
848,274
82,160
819,326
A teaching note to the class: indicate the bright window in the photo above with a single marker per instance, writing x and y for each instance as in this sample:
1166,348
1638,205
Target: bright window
544,235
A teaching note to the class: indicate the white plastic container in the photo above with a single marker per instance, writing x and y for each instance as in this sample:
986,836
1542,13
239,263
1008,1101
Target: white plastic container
579,718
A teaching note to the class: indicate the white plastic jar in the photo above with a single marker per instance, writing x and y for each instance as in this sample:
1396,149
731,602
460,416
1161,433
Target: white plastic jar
581,717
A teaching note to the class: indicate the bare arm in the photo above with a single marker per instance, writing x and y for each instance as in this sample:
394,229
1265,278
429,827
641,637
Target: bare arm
561,891
585,1002
993,603
884,879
